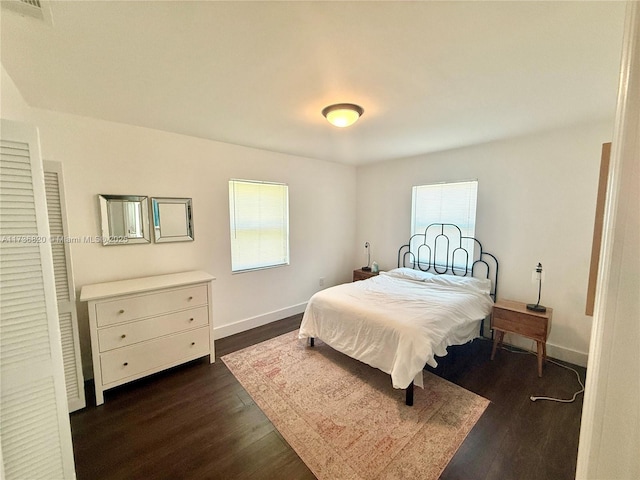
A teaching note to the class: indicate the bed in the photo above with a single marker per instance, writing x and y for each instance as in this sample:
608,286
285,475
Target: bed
401,320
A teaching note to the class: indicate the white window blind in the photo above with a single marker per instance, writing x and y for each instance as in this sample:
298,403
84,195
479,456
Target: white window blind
446,203
259,224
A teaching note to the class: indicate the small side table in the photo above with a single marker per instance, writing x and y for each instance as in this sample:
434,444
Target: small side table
509,316
360,274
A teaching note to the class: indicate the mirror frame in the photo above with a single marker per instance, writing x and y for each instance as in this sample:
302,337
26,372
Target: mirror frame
107,237
156,216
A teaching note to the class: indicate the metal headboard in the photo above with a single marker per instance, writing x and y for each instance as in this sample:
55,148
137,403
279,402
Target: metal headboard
443,249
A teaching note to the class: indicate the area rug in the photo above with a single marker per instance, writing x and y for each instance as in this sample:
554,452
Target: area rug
344,419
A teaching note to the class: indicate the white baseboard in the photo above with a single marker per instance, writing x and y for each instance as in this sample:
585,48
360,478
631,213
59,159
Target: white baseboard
257,321
553,351
567,355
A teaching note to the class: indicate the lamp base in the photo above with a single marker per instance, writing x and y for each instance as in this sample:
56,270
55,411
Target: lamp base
366,269
536,307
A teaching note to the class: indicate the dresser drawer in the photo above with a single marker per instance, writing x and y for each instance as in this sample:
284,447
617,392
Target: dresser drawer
153,355
138,331
125,309
524,324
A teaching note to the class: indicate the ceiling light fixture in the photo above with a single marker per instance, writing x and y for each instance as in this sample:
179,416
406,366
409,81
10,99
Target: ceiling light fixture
342,114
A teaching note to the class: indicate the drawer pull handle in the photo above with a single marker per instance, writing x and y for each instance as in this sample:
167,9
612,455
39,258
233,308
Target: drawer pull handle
121,312
123,336
191,319
193,343
190,298
126,363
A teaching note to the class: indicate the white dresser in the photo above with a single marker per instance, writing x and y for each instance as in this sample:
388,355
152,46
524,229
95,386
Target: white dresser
144,325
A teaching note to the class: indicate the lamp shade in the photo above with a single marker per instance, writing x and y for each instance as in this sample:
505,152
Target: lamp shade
342,114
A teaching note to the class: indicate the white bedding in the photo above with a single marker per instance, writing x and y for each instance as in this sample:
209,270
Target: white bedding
395,323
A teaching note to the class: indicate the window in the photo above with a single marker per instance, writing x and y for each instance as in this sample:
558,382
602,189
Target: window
446,203
259,221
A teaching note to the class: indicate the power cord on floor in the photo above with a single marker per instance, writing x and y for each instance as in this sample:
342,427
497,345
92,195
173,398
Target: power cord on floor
552,399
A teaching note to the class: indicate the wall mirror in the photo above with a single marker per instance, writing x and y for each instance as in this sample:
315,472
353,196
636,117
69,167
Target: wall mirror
124,219
172,219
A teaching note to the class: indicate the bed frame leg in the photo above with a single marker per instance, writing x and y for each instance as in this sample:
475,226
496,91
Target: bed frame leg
409,398
311,339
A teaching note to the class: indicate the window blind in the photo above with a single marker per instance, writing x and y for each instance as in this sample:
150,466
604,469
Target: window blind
446,203
259,224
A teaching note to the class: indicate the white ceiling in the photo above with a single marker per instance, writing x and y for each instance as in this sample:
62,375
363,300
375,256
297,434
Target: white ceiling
429,75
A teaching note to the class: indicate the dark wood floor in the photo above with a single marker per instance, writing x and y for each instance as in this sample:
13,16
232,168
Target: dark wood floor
197,422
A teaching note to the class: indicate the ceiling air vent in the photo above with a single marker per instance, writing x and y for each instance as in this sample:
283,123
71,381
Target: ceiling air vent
39,9
33,3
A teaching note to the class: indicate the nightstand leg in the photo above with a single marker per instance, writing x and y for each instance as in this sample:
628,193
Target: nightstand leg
541,349
497,338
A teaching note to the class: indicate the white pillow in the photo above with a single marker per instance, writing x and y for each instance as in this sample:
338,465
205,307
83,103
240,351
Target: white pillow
410,274
482,284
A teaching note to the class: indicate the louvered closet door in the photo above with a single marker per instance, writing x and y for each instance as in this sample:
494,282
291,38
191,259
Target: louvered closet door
35,434
65,292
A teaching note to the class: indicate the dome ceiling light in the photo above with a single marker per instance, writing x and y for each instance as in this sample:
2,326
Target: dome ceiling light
342,114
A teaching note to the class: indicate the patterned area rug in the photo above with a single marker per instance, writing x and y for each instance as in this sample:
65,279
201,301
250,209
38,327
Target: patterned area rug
344,419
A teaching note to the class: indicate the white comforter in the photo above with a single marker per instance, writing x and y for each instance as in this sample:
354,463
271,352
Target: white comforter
396,324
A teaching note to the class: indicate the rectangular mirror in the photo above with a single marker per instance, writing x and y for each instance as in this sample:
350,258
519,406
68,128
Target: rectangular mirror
172,219
124,219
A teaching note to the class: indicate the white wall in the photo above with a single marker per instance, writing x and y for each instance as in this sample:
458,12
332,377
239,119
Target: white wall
12,105
536,203
105,157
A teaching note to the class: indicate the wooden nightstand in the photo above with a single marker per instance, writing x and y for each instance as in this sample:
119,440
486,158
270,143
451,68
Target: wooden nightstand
360,274
513,317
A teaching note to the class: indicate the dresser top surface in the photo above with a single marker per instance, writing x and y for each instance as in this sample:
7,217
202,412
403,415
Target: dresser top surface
98,291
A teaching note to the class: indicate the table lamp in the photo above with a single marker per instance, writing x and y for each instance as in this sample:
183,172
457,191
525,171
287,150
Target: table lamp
537,277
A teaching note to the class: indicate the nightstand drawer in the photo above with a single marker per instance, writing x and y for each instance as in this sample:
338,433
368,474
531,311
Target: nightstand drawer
521,323
362,274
